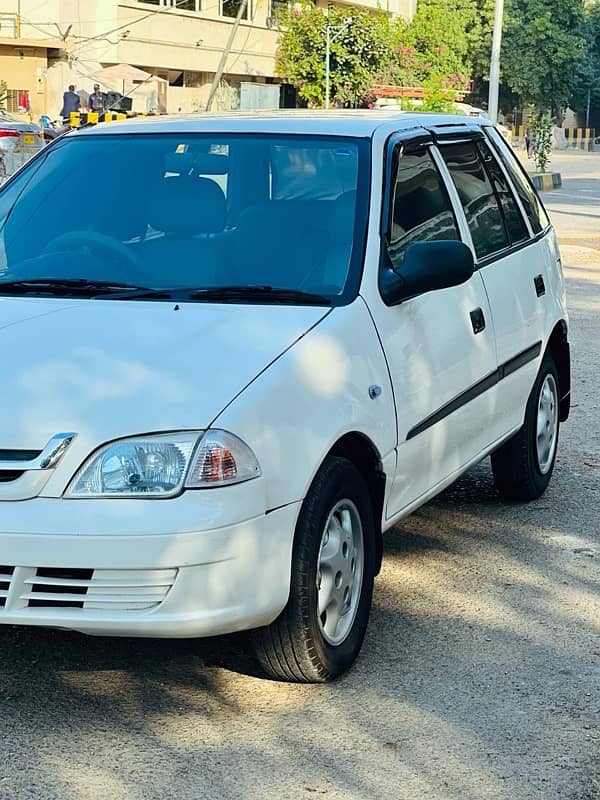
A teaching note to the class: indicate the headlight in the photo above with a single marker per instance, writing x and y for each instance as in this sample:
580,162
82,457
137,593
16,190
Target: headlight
162,465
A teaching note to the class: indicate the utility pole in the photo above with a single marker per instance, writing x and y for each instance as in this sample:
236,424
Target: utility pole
587,111
328,40
225,54
495,62
327,59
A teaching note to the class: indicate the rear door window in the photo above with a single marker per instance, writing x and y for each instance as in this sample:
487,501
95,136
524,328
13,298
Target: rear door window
477,197
531,203
515,224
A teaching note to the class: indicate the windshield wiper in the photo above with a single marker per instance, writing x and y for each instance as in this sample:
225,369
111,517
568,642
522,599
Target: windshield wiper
115,290
76,287
271,294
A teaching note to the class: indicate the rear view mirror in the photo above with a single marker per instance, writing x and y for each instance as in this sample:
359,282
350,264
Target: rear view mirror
427,267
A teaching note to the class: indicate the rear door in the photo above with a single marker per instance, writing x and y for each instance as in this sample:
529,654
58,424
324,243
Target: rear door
512,259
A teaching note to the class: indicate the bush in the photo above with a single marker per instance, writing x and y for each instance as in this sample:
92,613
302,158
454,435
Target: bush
541,140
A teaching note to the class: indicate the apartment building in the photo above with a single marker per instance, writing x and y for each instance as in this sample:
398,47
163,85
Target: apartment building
44,47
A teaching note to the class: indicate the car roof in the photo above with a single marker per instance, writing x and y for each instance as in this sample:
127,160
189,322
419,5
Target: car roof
362,123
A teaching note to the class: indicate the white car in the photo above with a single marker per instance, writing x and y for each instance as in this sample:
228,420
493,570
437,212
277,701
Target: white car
255,344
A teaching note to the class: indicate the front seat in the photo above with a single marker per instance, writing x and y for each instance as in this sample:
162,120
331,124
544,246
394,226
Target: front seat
186,210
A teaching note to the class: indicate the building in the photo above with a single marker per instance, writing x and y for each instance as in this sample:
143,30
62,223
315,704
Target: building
44,47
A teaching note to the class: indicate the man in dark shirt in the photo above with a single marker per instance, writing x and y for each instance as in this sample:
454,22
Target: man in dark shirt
97,100
71,102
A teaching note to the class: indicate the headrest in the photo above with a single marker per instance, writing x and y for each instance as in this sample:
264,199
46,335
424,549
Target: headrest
184,205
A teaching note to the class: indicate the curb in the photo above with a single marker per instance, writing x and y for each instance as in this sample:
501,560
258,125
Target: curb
546,181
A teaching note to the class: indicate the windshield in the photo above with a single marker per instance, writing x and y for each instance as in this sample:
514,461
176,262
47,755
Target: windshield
189,212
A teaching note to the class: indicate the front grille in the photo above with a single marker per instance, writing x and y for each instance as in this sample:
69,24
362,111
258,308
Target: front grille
6,574
85,589
8,475
19,455
58,582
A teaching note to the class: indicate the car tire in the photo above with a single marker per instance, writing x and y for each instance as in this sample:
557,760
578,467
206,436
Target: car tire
333,565
523,466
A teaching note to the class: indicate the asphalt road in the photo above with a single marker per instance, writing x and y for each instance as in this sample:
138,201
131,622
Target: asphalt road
479,678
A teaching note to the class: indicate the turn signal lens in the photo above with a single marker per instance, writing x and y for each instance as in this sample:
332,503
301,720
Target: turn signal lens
220,460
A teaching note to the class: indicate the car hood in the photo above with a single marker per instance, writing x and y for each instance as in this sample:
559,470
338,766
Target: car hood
106,369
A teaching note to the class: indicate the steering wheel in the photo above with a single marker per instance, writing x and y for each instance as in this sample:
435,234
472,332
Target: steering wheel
106,244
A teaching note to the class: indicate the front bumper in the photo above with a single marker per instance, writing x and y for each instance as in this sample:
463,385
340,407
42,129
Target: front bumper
172,568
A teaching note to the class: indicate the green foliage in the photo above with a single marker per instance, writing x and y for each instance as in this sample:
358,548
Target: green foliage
439,97
440,94
435,42
542,50
588,74
442,42
359,51
445,37
550,53
541,133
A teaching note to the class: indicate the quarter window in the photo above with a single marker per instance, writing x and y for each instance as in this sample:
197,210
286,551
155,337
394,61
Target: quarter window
531,203
477,197
421,208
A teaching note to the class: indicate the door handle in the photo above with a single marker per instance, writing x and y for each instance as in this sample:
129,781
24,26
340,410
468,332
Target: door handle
477,320
540,286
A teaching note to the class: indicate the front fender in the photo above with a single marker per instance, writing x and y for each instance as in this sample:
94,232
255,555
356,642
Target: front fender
295,411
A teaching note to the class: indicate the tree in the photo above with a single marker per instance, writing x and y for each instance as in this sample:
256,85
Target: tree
588,73
360,51
445,37
436,40
543,48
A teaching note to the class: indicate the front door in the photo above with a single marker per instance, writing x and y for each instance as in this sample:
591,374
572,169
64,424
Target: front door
440,345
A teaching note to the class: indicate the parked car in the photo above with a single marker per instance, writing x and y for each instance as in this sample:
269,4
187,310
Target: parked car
227,374
52,128
17,136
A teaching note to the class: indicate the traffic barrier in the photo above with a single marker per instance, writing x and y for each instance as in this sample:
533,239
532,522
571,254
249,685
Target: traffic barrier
79,118
580,138
546,181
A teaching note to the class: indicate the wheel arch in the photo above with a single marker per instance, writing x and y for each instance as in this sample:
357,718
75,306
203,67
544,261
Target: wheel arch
559,348
360,451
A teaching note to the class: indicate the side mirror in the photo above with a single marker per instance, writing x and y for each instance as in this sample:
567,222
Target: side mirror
427,267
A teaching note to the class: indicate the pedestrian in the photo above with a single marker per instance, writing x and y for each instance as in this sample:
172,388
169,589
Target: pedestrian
528,142
71,103
97,100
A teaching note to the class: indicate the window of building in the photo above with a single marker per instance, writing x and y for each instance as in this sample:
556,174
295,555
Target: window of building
184,5
195,80
189,5
9,26
515,224
275,6
478,199
230,8
531,203
15,100
421,209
